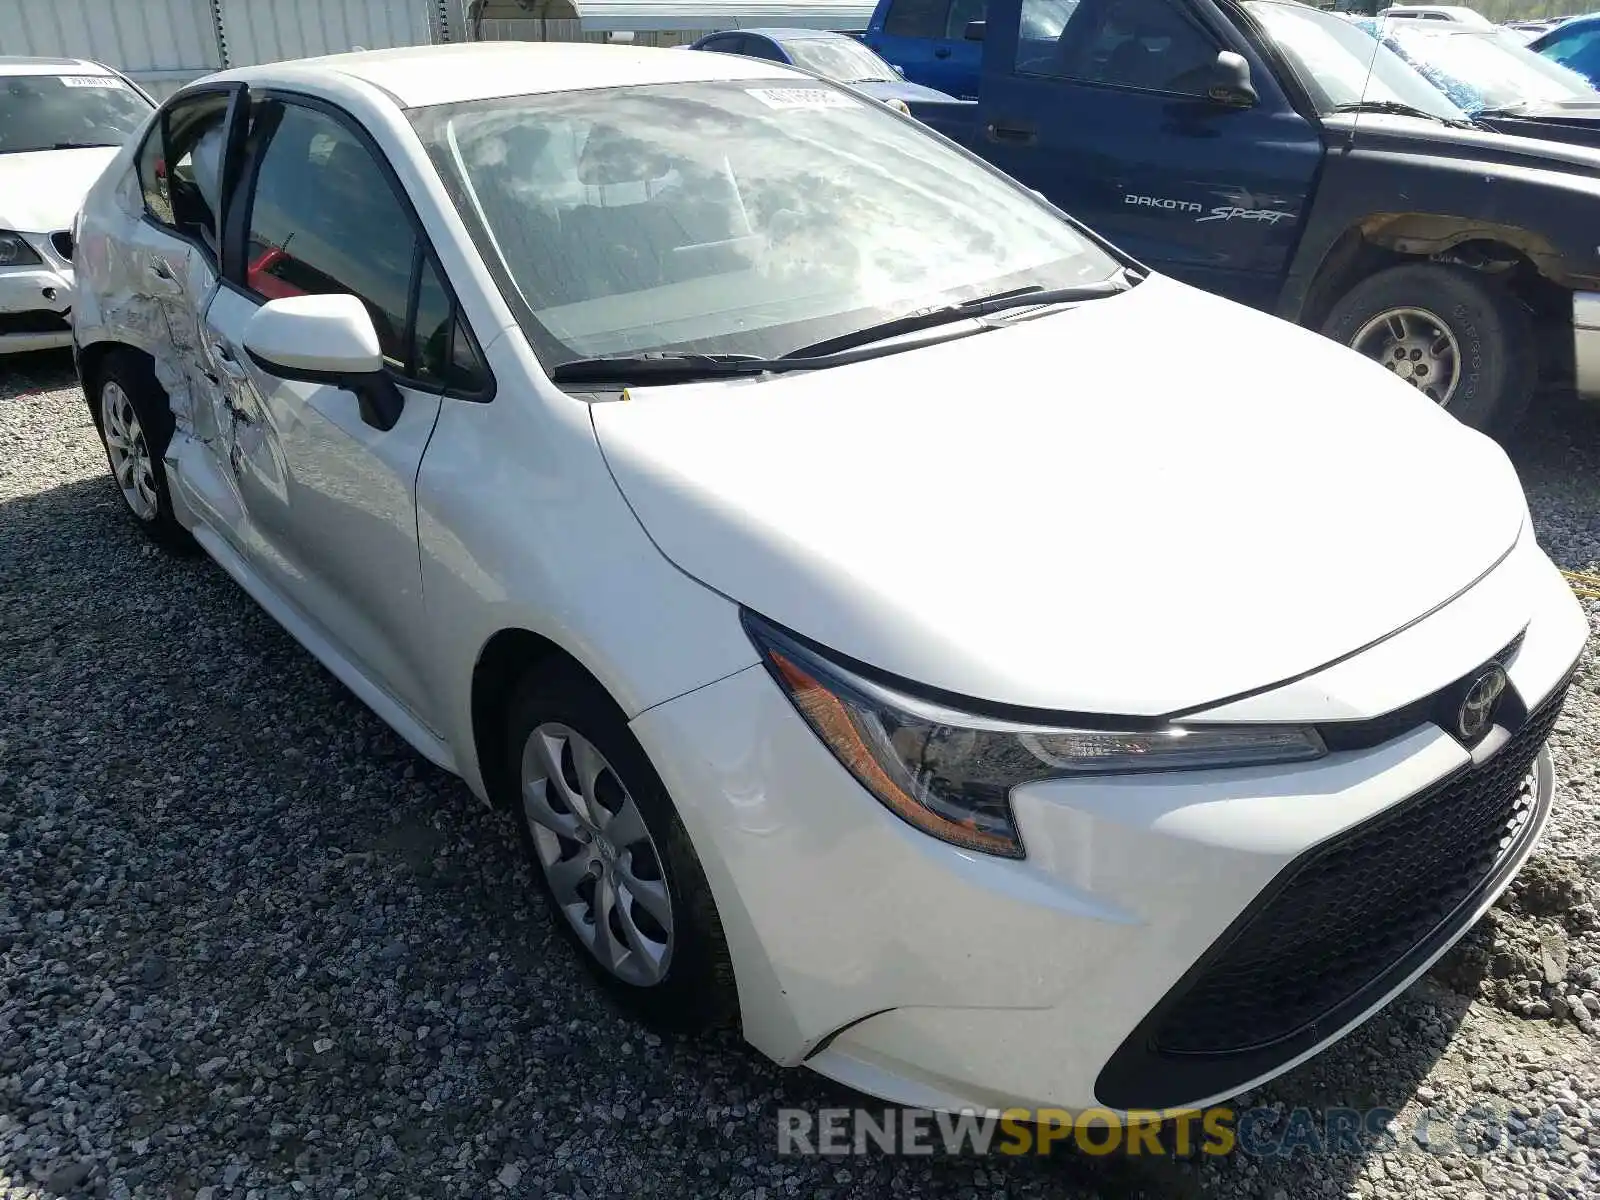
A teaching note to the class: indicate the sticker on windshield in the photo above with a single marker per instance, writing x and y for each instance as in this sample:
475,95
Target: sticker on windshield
90,81
794,97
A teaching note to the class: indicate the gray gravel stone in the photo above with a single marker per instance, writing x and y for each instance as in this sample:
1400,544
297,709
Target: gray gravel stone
252,947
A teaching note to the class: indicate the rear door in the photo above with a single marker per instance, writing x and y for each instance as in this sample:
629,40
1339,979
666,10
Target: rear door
330,500
171,271
926,39
1110,119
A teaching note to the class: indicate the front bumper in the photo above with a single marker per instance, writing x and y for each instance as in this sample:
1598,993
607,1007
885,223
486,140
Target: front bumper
936,977
36,302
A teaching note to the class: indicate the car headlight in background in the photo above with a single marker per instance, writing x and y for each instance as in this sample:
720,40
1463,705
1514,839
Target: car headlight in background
900,106
14,252
950,773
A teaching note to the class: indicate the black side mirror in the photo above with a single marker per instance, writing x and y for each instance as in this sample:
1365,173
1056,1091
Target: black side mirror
1230,84
974,31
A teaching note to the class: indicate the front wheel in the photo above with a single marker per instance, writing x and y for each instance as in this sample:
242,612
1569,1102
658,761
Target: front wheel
613,858
1453,334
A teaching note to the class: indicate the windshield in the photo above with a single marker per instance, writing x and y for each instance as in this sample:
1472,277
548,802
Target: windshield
1484,70
47,112
733,219
1339,64
843,59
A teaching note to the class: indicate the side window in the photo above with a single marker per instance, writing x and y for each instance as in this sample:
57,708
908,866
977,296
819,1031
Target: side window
962,14
916,18
1150,45
760,47
444,352
1574,51
324,219
180,166
1586,59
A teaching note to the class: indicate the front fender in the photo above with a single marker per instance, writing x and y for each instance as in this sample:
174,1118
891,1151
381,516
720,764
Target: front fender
1393,193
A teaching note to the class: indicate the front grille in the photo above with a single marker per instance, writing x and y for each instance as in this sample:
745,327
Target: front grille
36,321
61,240
1352,909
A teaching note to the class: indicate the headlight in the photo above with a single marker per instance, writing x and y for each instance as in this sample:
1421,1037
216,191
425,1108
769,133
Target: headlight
900,106
950,773
14,252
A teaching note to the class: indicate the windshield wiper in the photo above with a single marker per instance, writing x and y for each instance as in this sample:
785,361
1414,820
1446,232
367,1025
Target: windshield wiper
1399,109
1031,296
661,367
669,366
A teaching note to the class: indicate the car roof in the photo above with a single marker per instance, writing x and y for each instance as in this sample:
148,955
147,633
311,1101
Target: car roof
419,76
1566,25
16,64
780,34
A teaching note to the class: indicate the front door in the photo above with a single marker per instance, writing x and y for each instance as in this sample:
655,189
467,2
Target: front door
330,500
926,40
1111,121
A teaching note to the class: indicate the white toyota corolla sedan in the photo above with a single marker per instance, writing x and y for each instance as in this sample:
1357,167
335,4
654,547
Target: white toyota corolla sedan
990,673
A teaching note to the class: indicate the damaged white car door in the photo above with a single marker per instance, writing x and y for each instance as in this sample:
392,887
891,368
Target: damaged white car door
328,483
170,272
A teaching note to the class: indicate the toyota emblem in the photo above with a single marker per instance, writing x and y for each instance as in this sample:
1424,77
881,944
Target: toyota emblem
1477,706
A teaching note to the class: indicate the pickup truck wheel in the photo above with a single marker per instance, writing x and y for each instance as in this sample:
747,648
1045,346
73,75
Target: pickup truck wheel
1451,333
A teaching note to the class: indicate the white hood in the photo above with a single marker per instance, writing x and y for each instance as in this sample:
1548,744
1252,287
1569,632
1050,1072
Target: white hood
1140,506
41,192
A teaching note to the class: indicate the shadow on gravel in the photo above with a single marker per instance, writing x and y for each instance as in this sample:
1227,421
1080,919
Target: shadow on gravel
48,369
248,938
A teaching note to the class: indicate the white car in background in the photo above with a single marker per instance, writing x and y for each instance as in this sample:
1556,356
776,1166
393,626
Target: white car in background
61,121
748,489
1456,14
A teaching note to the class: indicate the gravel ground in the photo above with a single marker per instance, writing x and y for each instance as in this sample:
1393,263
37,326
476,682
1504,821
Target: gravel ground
251,946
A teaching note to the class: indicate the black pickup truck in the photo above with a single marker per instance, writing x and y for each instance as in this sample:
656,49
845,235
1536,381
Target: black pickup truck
1275,154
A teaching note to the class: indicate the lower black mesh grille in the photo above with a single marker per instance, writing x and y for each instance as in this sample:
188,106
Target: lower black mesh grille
1351,910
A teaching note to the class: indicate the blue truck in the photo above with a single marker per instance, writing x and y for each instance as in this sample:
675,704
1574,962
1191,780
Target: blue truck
1275,154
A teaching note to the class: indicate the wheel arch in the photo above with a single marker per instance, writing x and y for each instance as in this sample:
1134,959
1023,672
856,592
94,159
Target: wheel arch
508,656
1526,262
91,364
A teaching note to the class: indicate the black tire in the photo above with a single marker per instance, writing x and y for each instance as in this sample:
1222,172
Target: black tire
1492,329
697,991
134,375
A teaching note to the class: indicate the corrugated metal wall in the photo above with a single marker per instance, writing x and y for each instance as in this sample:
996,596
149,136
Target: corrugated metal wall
547,20
165,44
528,29
161,43
258,31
